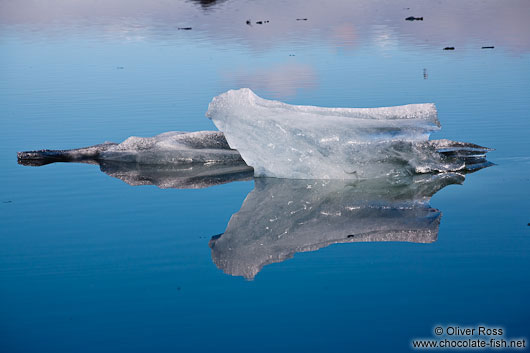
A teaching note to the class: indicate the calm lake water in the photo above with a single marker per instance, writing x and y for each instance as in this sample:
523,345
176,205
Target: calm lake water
89,263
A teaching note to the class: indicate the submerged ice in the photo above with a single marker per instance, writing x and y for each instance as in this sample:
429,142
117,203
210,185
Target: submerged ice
306,142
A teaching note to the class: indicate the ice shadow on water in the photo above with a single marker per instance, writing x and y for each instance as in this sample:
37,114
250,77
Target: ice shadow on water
282,217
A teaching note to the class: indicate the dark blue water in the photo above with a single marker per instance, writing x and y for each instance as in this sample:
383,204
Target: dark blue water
89,263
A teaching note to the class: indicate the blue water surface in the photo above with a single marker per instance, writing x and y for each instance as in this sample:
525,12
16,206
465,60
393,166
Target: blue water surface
89,263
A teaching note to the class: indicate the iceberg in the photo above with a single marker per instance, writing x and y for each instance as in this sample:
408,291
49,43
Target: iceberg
307,142
282,217
284,141
169,160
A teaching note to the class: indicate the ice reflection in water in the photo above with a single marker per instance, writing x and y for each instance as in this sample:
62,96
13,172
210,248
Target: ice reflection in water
281,217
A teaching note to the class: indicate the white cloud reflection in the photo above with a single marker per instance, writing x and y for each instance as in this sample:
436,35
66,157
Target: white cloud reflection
279,81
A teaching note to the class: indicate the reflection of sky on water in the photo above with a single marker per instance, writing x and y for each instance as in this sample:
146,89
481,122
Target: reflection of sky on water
280,80
347,24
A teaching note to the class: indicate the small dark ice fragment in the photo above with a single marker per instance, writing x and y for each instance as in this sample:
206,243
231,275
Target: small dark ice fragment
449,48
412,18
185,28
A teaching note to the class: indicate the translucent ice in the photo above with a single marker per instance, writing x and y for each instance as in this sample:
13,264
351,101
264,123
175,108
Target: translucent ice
306,142
281,140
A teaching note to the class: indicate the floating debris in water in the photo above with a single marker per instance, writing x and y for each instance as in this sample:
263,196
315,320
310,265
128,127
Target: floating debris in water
301,19
119,68
249,23
449,48
9,201
261,22
488,47
292,55
425,75
412,18
185,28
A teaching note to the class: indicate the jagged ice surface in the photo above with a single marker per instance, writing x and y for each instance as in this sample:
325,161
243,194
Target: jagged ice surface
169,160
174,147
306,142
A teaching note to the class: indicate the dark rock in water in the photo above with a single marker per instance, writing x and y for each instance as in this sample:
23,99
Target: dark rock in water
185,28
206,4
490,47
412,18
301,19
449,48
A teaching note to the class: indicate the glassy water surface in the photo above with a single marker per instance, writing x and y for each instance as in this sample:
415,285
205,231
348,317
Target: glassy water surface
90,263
